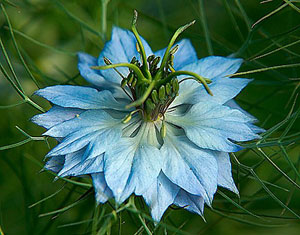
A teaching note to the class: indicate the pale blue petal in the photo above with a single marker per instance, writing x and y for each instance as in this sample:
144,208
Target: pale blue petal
85,62
190,167
132,165
225,179
190,202
222,88
186,54
214,66
74,166
55,116
160,195
85,129
102,191
213,126
80,97
55,163
120,49
94,119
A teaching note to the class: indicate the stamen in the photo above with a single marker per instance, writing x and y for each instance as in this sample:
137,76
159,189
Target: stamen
163,129
108,62
128,117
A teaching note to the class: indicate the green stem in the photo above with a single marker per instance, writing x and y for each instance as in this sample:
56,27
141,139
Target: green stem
141,46
104,4
199,78
135,68
171,43
142,99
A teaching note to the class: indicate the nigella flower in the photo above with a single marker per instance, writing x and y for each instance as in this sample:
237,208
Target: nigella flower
159,125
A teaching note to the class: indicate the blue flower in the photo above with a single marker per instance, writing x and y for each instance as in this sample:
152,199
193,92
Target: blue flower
160,127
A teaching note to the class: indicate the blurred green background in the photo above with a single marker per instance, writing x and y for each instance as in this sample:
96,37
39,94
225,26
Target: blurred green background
48,34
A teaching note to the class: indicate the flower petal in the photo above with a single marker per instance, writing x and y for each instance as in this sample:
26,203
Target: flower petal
132,165
214,66
213,126
190,167
85,62
73,165
160,195
102,191
55,116
80,97
55,163
185,54
225,179
120,49
87,128
223,89
190,202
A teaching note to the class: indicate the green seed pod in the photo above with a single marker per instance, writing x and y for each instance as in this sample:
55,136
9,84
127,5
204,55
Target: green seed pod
162,93
175,85
163,130
150,58
168,89
154,96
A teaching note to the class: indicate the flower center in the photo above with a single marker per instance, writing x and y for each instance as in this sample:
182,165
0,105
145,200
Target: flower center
161,96
153,85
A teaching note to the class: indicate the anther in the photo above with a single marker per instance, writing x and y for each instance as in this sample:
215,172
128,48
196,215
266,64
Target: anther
162,93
